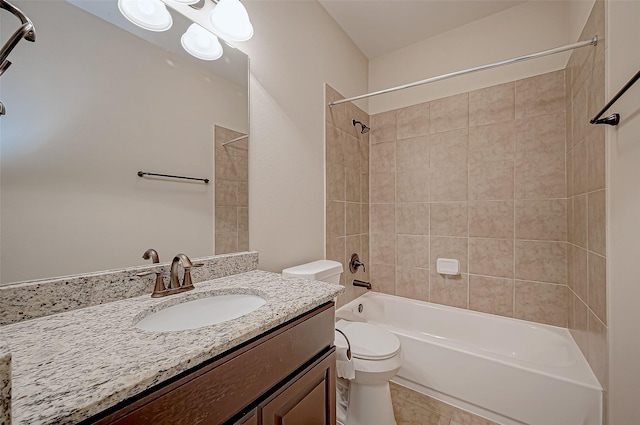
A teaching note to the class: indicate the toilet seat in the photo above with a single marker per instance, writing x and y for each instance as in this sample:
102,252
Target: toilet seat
368,342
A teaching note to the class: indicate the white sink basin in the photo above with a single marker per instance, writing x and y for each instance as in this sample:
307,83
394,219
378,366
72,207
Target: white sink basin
201,312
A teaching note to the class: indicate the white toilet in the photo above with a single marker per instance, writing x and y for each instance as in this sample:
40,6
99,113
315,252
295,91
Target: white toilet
377,357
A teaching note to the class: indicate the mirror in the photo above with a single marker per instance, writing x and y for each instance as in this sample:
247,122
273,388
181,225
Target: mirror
91,103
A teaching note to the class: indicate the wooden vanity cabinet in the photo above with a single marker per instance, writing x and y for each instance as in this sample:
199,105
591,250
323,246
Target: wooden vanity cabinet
286,377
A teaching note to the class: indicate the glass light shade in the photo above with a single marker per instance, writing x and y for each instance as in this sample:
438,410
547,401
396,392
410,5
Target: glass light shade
230,21
201,43
151,15
187,1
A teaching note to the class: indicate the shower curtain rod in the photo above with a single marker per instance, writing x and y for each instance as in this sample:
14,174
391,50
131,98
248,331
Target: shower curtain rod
592,42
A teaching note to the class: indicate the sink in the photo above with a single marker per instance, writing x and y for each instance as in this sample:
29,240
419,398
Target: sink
201,312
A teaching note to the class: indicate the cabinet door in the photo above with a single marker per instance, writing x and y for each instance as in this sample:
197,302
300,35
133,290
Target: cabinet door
249,419
309,399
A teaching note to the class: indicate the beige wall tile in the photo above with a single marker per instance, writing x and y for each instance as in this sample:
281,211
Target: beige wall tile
412,218
353,219
383,249
491,219
226,242
364,187
569,173
492,104
449,113
491,257
449,149
580,220
596,158
448,184
449,290
383,157
597,222
456,248
580,331
352,189
352,152
334,140
541,220
493,142
226,193
541,261
364,217
413,121
412,251
579,272
491,181
227,219
364,152
382,187
336,219
243,194
597,275
579,167
598,350
570,220
412,283
383,278
365,256
382,218
335,182
540,95
596,88
336,252
412,153
579,118
449,219
541,136
540,178
491,295
243,219
541,302
243,240
383,127
412,186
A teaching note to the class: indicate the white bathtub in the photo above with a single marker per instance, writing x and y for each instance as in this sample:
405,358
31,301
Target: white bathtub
507,370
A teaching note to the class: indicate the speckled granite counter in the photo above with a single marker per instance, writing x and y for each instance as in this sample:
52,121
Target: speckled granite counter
5,382
68,367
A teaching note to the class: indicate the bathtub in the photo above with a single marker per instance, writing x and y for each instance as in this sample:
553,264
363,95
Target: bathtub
507,370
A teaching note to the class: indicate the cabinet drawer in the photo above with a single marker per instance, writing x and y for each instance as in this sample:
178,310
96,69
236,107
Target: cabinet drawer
213,394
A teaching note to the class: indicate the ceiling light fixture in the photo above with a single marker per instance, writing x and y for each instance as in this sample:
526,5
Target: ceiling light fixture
151,15
230,21
201,43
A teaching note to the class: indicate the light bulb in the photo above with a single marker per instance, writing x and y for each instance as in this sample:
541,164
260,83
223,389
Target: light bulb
230,21
200,43
151,15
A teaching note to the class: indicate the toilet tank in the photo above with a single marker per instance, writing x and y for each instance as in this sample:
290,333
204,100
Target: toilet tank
323,270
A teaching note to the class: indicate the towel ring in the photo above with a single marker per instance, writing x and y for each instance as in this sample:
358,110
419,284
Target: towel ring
348,343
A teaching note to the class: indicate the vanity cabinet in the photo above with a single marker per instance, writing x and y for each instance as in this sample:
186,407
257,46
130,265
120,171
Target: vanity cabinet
285,376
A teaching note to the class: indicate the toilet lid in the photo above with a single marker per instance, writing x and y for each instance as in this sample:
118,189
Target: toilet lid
369,342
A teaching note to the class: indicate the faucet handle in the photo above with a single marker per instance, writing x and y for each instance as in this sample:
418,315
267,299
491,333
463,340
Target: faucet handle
159,288
354,263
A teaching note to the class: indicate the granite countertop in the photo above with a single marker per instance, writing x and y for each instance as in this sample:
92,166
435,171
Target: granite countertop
70,366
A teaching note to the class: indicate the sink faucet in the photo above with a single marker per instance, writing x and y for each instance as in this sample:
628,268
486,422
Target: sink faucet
174,280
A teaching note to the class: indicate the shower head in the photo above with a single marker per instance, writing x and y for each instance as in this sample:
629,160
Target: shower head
365,129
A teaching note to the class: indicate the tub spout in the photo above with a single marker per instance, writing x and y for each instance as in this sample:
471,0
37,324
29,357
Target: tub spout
361,283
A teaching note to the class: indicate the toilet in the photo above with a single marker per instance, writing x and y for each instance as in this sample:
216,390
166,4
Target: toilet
376,357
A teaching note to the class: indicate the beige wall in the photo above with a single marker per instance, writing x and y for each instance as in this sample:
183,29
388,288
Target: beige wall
232,191
347,191
586,199
478,177
527,28
623,145
80,124
297,48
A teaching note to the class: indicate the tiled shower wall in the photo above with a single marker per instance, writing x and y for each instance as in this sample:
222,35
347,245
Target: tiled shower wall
347,191
232,194
478,177
587,192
